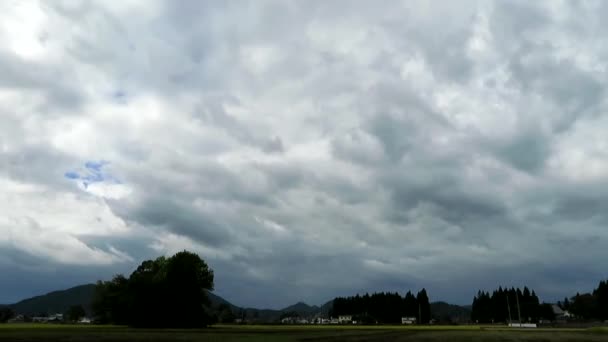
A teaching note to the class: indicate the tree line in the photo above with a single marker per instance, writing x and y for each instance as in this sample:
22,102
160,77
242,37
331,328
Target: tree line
589,306
509,305
386,308
162,293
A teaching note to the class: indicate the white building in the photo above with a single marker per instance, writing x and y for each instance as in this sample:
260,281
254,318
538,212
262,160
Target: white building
345,319
85,320
560,315
408,320
522,325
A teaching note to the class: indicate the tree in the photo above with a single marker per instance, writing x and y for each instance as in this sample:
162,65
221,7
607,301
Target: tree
504,305
225,314
111,302
161,293
584,306
188,278
5,314
424,307
601,295
383,307
546,312
75,313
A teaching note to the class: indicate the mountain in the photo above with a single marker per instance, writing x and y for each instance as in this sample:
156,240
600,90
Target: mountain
217,301
302,309
445,312
60,301
325,308
56,302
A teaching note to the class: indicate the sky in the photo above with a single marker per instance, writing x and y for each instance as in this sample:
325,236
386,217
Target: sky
306,149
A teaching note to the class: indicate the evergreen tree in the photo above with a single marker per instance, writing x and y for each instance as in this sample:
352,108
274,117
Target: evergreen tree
424,307
383,307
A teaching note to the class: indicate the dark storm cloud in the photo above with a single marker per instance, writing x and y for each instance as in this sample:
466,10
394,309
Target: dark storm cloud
182,219
306,151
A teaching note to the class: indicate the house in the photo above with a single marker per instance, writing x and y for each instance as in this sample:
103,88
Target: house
17,319
55,318
288,320
320,320
408,320
560,314
84,320
345,319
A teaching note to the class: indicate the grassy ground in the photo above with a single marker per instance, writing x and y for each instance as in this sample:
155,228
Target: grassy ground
63,333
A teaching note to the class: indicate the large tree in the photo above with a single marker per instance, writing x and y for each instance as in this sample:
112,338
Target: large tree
162,293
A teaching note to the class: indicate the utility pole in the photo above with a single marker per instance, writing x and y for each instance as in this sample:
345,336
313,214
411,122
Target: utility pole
518,309
509,309
419,314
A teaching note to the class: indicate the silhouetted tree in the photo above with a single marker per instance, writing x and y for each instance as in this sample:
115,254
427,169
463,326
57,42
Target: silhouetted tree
111,301
75,313
502,305
424,307
584,306
546,312
225,314
6,313
383,307
159,293
601,296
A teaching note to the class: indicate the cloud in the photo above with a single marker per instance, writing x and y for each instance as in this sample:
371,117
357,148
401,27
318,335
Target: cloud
306,151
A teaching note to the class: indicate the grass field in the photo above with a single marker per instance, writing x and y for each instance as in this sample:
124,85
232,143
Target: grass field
66,333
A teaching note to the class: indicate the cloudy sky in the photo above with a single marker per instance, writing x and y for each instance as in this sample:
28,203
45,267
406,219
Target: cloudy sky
306,149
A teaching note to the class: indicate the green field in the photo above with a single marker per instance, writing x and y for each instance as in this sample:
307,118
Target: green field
64,333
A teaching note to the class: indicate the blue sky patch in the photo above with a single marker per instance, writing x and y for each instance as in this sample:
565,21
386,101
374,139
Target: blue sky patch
72,175
95,166
92,173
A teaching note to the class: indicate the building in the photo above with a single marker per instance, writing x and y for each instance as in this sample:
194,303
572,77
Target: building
17,319
522,325
289,320
345,319
408,320
85,320
560,314
55,318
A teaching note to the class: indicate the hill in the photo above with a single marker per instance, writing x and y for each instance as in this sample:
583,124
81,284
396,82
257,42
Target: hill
445,312
302,309
57,301
60,301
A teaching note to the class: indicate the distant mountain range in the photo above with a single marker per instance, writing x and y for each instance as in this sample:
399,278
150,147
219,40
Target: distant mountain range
60,301
57,301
